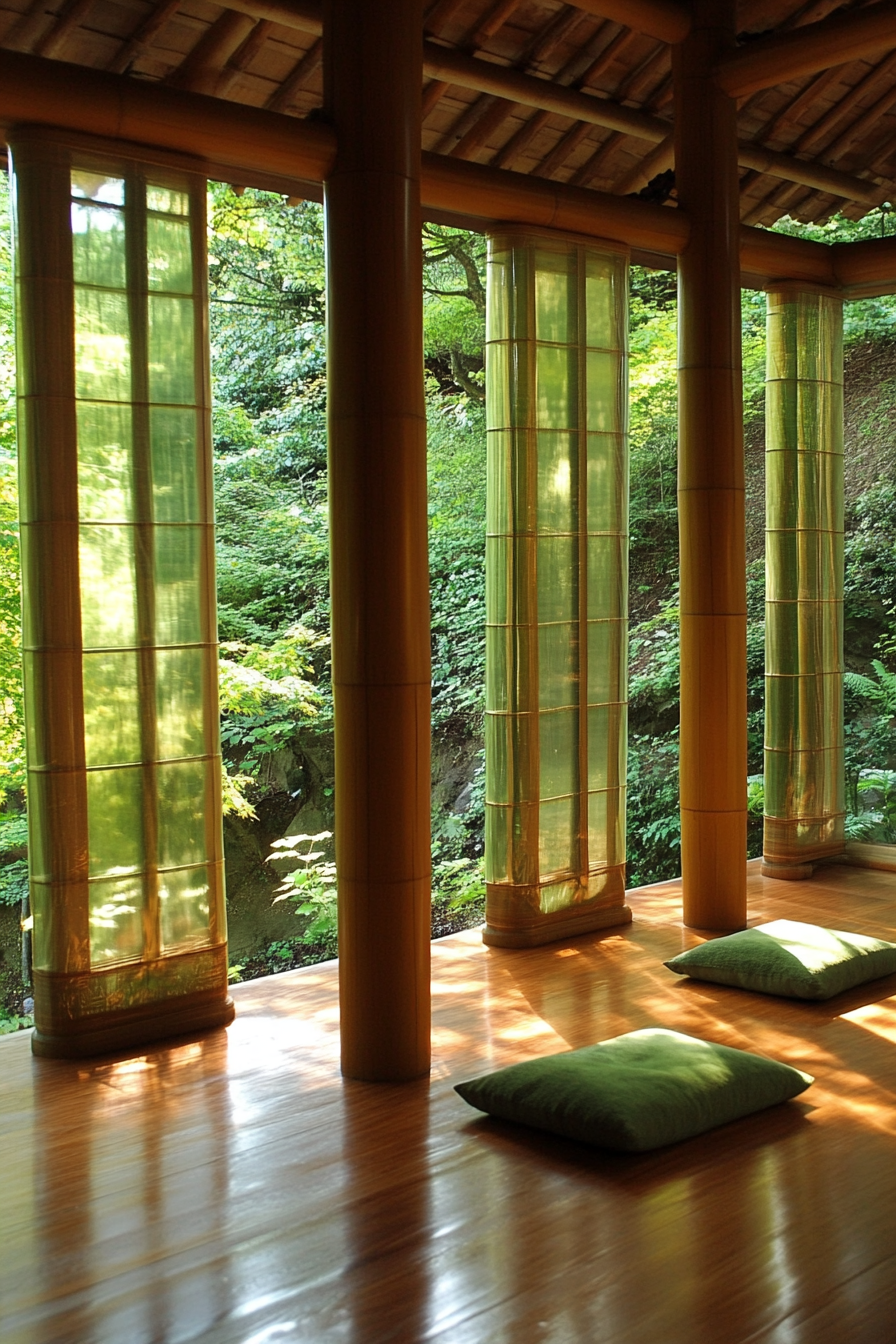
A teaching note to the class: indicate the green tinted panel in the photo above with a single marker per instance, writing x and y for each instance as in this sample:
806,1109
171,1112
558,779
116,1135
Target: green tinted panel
558,752
116,921
557,405
178,596
102,345
105,467
508,671
607,662
98,246
558,578
173,442
607,577
606,828
498,482
606,747
605,399
179,710
115,821
803,635
499,360
182,796
172,375
497,855
608,484
497,316
557,838
555,298
558,485
605,301
111,708
184,909
169,258
108,598
558,666
510,757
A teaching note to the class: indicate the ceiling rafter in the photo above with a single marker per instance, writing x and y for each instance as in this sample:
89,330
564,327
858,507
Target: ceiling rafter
70,18
201,69
817,132
144,35
281,100
242,59
804,51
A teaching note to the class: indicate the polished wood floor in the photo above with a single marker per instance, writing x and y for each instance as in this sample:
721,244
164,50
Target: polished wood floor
236,1190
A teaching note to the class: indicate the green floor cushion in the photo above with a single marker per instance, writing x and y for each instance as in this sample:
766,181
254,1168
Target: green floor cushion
637,1091
800,961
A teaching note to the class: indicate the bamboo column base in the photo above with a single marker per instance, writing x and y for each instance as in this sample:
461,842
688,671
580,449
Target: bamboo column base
554,928
133,1027
788,872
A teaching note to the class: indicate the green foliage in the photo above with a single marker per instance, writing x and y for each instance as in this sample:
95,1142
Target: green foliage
457,563
265,698
459,881
454,307
870,558
873,819
653,432
879,690
311,885
10,1022
14,882
653,824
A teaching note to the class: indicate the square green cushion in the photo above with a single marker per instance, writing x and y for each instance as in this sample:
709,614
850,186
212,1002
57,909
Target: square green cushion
637,1091
800,961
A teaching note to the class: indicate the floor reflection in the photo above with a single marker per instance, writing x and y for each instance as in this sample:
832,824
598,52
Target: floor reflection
236,1190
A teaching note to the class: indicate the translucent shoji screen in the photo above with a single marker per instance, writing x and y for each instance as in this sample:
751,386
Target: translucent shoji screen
804,784
556,587
118,592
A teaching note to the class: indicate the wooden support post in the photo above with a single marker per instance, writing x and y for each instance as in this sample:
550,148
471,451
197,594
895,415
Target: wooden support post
711,486
379,567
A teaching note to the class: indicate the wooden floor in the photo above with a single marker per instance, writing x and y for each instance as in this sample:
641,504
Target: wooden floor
236,1190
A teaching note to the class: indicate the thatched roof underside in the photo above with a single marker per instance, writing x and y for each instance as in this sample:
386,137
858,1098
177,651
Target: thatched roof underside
267,53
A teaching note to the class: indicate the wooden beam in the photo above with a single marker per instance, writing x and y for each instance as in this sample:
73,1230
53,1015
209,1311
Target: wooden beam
803,51
495,196
305,16
487,77
769,257
865,269
226,138
664,19
254,147
811,174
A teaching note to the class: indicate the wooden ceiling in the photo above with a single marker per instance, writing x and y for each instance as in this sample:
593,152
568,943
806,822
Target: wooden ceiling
537,87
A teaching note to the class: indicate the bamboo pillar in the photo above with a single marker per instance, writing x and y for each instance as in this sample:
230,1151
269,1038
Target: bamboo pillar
121,704
556,588
379,563
804,802
711,485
